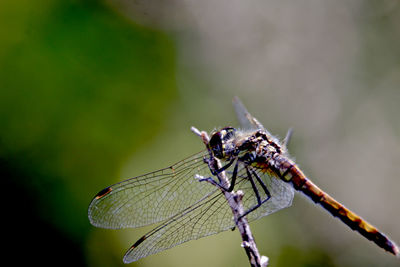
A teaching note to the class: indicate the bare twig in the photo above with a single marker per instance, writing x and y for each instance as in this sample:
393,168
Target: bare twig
234,200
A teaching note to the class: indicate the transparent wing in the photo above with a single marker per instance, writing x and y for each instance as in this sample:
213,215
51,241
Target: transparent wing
152,197
246,120
211,215
282,193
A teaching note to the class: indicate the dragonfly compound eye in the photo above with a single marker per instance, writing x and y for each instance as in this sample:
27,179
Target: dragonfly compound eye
219,142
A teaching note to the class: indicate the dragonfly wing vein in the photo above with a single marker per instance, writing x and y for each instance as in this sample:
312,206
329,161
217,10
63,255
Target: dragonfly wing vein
151,198
209,216
282,193
246,120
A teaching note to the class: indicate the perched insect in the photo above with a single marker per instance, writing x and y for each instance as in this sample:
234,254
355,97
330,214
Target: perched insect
189,208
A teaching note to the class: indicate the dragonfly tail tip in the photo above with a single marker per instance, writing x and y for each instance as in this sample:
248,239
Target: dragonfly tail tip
395,250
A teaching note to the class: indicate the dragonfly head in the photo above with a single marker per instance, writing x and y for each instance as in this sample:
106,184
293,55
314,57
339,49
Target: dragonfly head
221,143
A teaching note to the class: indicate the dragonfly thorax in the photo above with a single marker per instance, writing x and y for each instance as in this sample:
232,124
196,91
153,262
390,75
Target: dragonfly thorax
229,142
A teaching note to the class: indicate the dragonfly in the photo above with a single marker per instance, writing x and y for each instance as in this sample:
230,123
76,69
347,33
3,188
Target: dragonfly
187,201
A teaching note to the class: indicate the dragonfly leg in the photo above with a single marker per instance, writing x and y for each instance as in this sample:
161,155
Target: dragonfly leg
253,185
223,168
264,187
234,175
233,180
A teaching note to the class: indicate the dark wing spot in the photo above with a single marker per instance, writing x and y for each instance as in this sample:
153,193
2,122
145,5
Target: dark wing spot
137,243
103,192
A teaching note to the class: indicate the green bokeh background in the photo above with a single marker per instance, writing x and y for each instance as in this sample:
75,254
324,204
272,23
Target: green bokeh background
81,89
89,96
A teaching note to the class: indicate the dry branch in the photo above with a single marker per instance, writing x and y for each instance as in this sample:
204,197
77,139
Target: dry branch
234,200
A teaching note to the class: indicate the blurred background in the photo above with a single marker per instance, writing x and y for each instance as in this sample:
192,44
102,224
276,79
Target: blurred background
94,92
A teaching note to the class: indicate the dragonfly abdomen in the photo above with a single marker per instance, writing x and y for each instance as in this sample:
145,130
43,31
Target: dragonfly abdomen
355,222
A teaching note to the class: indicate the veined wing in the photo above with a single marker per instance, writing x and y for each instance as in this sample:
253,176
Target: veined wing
211,215
246,120
282,193
152,197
